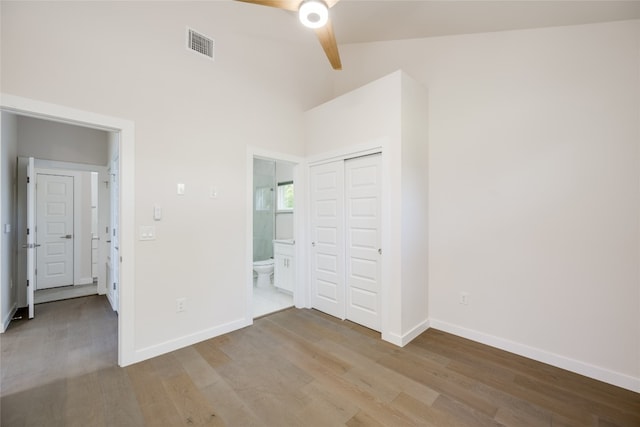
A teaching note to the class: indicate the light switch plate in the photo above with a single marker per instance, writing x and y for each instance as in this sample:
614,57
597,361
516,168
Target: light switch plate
180,189
147,232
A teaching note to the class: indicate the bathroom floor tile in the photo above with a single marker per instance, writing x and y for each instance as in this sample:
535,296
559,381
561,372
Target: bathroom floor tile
269,300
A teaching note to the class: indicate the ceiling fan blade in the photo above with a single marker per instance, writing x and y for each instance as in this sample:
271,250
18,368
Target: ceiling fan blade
293,5
328,42
331,3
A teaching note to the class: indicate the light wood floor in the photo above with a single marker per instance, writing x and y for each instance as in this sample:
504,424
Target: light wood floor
292,368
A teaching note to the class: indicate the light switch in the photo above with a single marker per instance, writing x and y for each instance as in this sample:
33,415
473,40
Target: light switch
213,192
181,189
157,213
147,232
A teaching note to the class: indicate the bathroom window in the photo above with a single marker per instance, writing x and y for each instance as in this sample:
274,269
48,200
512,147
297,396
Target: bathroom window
285,196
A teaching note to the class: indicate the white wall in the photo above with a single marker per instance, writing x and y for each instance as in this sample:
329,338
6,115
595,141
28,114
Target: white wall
9,144
534,201
415,243
193,121
387,115
47,140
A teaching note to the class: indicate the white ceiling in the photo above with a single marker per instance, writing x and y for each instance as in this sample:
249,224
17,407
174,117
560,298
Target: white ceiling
360,21
357,21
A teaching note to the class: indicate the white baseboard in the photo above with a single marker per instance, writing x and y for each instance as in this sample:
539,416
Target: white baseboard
111,301
7,319
84,281
404,339
598,373
175,344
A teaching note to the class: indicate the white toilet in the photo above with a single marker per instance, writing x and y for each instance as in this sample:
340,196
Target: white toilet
263,269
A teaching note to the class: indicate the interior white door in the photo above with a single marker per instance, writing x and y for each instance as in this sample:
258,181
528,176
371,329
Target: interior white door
54,231
114,274
363,253
327,236
30,229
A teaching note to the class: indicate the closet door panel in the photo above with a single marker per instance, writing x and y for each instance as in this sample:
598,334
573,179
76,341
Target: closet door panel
327,236
363,257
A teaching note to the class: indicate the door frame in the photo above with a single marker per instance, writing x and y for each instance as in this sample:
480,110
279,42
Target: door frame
301,296
114,224
126,129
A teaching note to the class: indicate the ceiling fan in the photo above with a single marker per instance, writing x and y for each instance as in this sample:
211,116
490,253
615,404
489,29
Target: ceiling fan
313,14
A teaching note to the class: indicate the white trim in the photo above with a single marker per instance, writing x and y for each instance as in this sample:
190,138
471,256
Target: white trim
7,319
248,266
347,153
184,341
595,372
402,340
54,164
126,128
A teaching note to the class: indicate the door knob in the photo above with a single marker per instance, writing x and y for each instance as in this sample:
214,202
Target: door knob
380,251
68,236
313,244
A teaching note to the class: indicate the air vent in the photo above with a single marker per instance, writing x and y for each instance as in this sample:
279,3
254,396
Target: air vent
199,43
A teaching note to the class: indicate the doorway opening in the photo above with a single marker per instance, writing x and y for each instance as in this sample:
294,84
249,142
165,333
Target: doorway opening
122,132
273,235
275,265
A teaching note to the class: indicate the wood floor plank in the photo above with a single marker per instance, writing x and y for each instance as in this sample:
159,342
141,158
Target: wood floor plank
379,379
422,414
155,404
230,407
83,406
211,353
325,408
329,378
434,376
191,405
118,398
362,419
498,362
292,368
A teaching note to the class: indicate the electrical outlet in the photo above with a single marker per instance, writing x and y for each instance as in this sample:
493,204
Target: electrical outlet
464,298
181,305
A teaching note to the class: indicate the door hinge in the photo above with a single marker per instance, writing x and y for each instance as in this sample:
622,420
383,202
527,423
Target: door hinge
27,283
28,180
27,231
36,272
114,286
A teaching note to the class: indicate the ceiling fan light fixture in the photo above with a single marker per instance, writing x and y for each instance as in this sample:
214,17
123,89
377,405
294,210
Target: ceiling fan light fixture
313,13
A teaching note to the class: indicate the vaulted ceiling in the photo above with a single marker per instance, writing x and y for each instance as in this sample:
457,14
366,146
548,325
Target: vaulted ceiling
361,21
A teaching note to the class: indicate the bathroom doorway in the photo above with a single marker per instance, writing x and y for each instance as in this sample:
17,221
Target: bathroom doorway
273,240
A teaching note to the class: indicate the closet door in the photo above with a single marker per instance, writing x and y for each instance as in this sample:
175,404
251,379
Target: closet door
363,253
327,236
